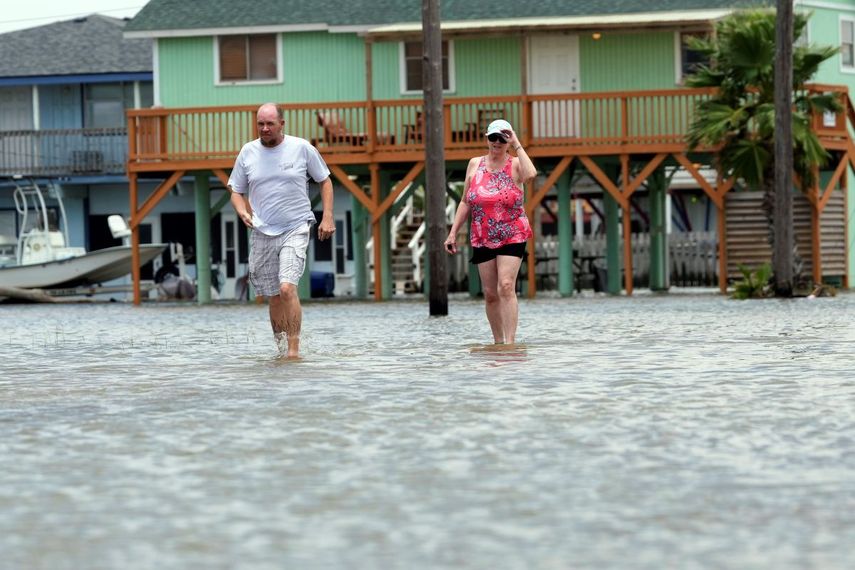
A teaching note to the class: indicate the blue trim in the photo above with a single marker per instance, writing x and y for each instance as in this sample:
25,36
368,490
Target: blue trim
73,79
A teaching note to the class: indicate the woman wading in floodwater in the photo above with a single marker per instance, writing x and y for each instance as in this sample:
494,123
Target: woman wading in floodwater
493,195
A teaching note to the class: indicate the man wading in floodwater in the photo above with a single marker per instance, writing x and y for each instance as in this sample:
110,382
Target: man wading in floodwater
270,193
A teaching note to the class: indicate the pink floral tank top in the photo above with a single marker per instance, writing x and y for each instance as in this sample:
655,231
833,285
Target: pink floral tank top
496,202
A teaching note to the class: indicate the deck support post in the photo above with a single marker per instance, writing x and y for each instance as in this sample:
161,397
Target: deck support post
626,219
202,194
565,237
610,210
359,216
657,193
376,237
385,244
849,215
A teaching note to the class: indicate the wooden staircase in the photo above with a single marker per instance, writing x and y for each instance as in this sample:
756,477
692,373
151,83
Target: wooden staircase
402,258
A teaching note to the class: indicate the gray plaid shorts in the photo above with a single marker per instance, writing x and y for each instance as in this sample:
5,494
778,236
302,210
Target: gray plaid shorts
277,259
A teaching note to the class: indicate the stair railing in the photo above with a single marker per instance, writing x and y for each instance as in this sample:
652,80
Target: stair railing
417,245
405,215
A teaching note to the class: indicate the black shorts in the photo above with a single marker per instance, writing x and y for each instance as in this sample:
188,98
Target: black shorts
482,254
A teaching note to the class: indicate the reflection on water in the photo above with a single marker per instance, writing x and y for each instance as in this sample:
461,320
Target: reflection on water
499,353
680,431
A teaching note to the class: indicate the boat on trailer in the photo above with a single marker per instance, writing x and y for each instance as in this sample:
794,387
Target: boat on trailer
40,256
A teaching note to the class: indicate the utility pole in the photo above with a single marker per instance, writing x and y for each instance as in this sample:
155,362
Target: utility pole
782,221
434,158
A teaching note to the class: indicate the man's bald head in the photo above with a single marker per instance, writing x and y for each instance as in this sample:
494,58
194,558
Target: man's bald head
271,124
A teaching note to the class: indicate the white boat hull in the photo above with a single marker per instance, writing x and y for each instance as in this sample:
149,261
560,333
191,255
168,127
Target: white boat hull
92,268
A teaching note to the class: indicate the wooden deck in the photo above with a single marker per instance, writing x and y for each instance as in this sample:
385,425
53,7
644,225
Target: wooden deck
640,129
392,131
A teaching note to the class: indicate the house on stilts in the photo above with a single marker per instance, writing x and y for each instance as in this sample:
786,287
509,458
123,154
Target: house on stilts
595,91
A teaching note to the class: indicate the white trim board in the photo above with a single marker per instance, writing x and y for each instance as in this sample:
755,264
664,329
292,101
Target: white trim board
821,4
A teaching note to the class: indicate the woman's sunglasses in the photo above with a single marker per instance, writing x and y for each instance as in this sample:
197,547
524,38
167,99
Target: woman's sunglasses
495,137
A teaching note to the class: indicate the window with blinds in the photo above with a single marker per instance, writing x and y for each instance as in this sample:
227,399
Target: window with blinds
248,57
411,66
847,43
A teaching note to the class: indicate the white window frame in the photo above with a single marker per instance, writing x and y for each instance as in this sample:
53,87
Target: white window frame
218,81
805,39
850,20
402,70
679,79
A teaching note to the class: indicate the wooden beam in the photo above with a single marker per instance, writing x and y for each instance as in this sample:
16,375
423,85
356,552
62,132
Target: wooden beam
396,191
705,186
826,194
538,196
155,198
352,187
604,180
645,173
375,232
222,177
626,218
844,188
724,185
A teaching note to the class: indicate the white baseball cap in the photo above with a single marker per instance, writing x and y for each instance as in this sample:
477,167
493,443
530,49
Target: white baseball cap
498,127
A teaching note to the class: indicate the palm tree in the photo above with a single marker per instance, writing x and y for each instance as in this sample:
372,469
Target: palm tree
740,117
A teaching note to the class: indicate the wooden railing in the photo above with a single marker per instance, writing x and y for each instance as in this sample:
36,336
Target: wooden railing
361,131
63,152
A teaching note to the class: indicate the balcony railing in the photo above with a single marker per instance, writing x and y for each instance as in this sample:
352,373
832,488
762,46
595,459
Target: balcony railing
63,152
352,131
395,127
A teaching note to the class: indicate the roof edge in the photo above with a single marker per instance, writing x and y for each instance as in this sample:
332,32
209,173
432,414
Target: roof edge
285,28
587,21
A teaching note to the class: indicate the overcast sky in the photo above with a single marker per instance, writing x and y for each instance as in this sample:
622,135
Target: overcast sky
19,14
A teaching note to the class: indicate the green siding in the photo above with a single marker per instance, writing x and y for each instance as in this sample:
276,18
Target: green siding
625,62
487,67
324,67
386,75
824,29
316,67
482,67
320,66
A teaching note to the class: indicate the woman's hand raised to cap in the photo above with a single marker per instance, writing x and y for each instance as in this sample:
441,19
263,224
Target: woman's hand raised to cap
513,141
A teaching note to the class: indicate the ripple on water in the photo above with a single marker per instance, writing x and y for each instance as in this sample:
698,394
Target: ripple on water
684,431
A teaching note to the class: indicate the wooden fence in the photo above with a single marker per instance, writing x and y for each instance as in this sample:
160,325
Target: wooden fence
692,260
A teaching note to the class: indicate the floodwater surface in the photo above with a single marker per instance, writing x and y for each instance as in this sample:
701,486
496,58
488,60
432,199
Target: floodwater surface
678,431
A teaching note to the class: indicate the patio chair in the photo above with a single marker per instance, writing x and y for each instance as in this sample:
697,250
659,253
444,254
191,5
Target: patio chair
335,131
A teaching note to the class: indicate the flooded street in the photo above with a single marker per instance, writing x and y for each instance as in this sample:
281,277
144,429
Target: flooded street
681,431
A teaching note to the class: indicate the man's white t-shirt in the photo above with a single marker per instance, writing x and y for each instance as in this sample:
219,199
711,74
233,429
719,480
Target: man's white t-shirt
277,181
